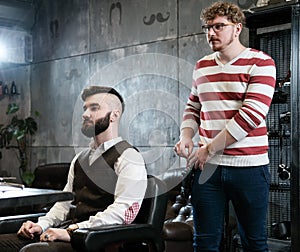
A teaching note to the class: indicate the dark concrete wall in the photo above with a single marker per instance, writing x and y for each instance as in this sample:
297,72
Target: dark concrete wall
146,49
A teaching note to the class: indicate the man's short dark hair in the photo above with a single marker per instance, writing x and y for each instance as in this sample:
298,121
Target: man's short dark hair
91,90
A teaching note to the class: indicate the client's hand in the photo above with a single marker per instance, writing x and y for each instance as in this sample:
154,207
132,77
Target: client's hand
53,234
29,229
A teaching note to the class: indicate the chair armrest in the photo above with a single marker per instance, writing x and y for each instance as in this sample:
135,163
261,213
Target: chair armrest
94,239
11,224
177,231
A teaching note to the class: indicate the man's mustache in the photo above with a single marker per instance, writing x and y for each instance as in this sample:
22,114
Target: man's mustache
87,121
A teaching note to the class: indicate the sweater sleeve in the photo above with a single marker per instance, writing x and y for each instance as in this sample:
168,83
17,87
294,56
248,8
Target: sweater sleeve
257,99
191,114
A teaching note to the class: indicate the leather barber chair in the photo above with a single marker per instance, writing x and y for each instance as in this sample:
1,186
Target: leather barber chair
178,228
146,229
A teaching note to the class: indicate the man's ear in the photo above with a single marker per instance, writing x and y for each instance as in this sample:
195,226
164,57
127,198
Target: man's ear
239,28
115,114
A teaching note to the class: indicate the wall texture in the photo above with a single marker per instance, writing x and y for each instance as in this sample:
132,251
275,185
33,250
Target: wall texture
146,49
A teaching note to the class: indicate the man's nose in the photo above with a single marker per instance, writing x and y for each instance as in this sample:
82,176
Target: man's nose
86,114
211,32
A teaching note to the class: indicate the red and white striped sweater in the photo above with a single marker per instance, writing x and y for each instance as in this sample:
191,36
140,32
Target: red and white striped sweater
236,95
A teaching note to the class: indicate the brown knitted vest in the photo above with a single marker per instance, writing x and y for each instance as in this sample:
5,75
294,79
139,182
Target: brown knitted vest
94,185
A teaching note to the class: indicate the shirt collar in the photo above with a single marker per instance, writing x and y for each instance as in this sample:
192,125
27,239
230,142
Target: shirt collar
106,145
112,142
98,151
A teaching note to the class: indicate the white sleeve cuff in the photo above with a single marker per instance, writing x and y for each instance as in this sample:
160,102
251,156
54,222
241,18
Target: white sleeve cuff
235,130
190,124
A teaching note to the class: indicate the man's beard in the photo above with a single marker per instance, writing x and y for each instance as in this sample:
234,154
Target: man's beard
218,47
100,126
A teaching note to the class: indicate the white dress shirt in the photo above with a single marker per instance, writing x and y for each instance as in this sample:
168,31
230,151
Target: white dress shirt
129,193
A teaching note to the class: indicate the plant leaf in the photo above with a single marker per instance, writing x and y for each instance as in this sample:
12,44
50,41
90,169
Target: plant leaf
28,177
30,125
12,108
37,113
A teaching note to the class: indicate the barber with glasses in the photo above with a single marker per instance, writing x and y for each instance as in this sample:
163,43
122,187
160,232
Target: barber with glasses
230,97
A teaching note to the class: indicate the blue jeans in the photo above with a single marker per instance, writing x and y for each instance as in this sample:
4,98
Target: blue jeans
248,190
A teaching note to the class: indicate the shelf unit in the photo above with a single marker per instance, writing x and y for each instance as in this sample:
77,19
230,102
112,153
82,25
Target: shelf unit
274,29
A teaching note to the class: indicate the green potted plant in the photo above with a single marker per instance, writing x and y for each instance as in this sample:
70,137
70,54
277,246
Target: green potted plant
15,135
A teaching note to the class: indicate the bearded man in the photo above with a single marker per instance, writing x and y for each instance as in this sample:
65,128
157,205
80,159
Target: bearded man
108,180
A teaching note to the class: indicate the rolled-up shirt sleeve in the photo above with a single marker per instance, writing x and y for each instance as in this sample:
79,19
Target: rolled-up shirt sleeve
59,212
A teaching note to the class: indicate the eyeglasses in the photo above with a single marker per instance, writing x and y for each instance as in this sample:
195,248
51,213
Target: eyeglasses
216,27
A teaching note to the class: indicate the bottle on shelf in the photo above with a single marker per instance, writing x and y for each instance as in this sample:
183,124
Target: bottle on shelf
5,89
13,88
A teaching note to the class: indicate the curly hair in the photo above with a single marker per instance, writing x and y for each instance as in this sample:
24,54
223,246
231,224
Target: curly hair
230,10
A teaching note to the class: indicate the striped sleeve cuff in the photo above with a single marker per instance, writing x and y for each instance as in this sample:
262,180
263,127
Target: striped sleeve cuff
189,124
235,130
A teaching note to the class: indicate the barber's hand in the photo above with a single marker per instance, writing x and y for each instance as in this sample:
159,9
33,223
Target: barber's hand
29,229
198,158
183,144
53,234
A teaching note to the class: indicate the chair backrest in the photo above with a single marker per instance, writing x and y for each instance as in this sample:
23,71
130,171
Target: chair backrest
154,205
51,176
